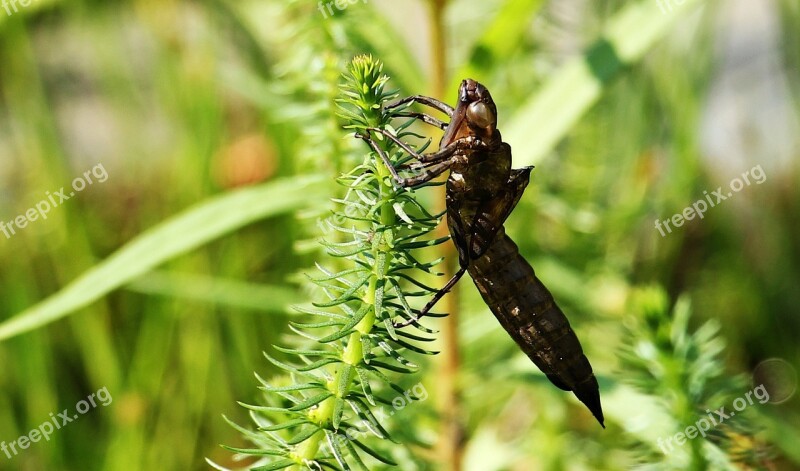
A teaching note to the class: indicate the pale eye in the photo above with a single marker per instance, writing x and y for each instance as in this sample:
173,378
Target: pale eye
480,115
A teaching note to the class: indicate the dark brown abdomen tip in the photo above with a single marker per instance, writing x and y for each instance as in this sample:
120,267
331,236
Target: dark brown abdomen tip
588,392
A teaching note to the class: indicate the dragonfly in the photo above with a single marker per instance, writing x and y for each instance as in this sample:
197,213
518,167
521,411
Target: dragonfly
481,191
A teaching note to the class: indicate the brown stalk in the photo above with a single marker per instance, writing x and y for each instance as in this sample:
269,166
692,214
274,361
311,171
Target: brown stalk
451,439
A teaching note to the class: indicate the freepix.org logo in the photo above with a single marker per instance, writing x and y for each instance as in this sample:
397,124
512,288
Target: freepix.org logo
13,6
53,200
326,6
56,422
715,418
699,207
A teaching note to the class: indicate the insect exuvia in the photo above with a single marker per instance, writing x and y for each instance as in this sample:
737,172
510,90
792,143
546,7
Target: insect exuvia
482,190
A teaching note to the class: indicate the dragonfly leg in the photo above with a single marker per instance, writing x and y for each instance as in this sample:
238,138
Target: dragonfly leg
430,173
416,165
427,119
423,100
385,158
439,295
465,143
437,156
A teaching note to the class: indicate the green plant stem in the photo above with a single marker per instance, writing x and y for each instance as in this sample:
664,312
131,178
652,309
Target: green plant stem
327,395
353,353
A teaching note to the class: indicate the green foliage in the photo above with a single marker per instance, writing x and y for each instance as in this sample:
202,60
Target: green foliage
326,416
614,103
663,359
173,238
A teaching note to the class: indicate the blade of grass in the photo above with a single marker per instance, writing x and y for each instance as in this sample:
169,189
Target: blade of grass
242,36
181,234
499,40
547,117
374,32
216,290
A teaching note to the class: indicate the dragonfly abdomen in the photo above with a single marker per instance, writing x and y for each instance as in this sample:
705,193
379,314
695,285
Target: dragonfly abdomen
528,312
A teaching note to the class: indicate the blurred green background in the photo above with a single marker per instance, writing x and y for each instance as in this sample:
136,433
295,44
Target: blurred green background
629,110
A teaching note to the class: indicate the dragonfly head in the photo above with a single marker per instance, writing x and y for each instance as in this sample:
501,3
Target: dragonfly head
475,114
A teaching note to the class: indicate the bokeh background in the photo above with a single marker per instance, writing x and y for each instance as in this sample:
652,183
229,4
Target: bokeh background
629,110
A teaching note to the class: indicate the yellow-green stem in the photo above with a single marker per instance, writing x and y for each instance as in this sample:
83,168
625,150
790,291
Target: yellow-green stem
353,353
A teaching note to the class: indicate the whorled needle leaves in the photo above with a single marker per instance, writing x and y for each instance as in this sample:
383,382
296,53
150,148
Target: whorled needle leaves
323,417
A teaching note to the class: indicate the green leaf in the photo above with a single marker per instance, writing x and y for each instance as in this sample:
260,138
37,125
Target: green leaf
292,388
218,291
354,455
374,453
275,466
333,442
183,233
362,378
318,364
303,435
347,295
285,425
254,451
368,419
572,90
344,331
311,402
500,38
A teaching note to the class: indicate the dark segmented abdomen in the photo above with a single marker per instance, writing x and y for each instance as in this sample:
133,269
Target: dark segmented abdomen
527,311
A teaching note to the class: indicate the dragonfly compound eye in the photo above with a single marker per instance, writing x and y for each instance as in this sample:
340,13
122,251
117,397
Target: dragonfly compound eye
480,115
